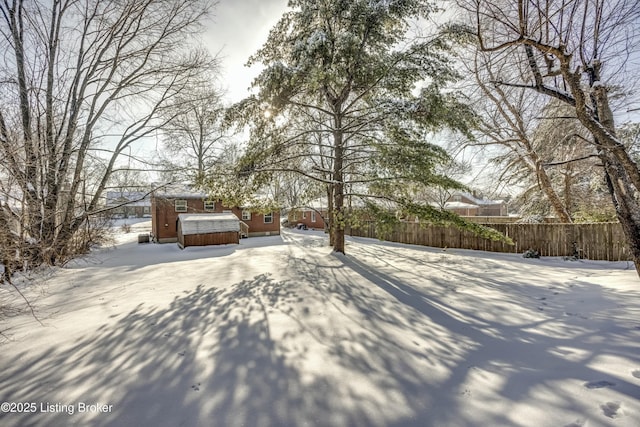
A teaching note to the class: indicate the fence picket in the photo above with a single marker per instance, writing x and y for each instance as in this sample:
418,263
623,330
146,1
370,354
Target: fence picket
596,241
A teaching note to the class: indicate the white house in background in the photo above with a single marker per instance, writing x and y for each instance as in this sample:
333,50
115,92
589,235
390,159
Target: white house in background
467,204
129,204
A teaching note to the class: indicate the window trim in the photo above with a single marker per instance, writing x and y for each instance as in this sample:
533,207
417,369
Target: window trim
313,216
270,215
246,215
212,203
180,205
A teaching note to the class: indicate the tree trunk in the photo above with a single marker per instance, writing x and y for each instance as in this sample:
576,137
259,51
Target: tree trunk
337,217
568,181
626,205
328,226
6,248
545,184
338,220
621,173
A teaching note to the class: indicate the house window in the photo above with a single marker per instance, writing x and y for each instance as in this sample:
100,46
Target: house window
181,205
268,218
313,217
456,198
209,205
246,216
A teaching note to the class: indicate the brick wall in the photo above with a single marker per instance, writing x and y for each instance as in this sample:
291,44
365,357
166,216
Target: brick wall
306,217
164,217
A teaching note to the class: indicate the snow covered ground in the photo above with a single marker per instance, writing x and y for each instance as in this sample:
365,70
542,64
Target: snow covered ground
277,331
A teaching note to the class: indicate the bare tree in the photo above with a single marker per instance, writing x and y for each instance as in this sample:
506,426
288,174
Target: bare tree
571,163
574,51
629,134
507,121
439,195
534,143
82,79
195,138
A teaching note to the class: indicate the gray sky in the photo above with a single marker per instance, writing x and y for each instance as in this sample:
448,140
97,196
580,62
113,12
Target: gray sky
238,29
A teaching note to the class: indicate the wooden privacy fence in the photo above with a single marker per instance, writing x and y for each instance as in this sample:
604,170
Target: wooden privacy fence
596,241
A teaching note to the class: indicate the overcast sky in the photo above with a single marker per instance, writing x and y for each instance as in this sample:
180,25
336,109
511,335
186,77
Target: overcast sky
238,29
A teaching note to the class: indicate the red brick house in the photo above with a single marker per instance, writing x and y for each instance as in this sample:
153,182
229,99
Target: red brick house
311,218
166,206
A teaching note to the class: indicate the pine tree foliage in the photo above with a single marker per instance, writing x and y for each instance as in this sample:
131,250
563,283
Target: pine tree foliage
350,98
386,220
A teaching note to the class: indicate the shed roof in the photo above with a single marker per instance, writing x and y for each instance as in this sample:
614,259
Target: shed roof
208,223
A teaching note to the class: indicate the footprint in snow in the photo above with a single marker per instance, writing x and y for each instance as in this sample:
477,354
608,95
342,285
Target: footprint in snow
599,384
576,423
466,392
578,315
196,387
612,409
636,373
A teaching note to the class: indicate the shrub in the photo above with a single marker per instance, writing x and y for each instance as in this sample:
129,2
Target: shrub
531,253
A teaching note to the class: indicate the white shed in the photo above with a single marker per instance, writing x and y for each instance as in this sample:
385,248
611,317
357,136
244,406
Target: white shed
207,229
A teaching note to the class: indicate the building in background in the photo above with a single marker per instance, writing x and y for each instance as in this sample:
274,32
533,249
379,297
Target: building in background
467,204
128,204
315,215
167,205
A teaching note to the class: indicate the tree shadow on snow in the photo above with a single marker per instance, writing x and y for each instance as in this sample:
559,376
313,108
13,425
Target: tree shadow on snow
208,359
343,342
515,360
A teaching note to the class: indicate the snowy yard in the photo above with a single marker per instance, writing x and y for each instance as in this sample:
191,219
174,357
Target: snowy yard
277,331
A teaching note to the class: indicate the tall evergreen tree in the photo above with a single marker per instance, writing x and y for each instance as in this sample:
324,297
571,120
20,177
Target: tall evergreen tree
350,98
